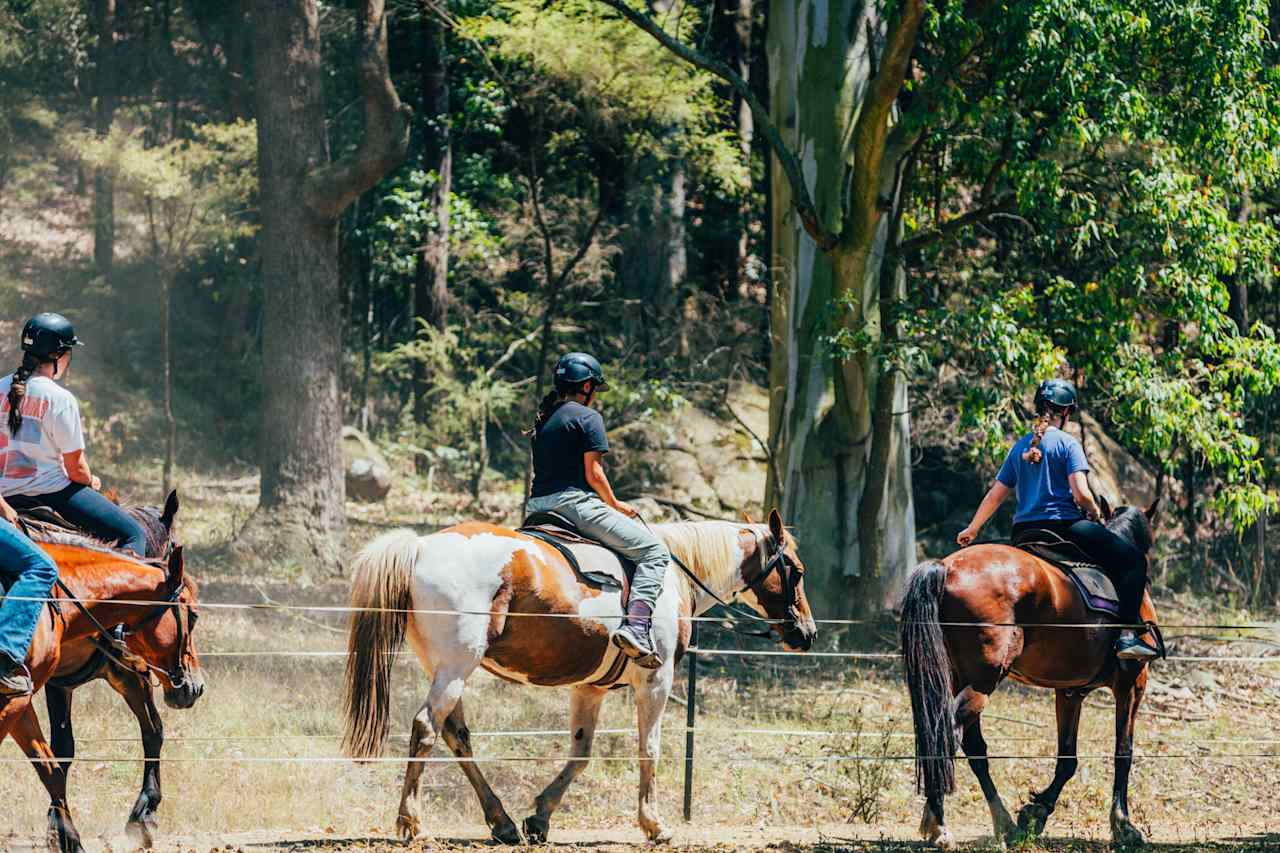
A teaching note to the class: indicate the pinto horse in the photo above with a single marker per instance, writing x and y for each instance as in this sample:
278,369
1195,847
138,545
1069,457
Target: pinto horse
471,589
115,590
83,661
1015,602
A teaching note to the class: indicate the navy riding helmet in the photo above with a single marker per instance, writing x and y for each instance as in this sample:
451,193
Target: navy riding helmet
574,368
1055,392
46,335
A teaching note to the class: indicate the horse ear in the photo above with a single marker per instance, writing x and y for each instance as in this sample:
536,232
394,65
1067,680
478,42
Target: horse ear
776,528
1105,505
1153,510
170,510
177,567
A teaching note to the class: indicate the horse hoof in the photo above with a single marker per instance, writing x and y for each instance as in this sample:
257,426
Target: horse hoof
536,829
944,840
507,834
1127,835
407,827
1032,818
141,833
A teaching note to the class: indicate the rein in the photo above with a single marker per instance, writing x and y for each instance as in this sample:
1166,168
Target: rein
772,564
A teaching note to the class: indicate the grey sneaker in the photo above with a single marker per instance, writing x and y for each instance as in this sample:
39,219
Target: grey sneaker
14,680
635,644
1132,647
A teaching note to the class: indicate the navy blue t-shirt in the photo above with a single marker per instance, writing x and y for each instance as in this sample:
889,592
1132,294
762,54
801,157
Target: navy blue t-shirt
572,430
1044,492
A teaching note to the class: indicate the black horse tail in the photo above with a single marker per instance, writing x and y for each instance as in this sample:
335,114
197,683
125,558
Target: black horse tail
928,666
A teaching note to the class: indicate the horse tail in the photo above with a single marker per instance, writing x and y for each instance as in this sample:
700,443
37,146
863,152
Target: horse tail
381,596
928,666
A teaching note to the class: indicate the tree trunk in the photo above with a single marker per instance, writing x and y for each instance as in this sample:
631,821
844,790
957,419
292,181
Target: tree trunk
431,285
106,88
301,511
166,350
826,417
654,262
742,26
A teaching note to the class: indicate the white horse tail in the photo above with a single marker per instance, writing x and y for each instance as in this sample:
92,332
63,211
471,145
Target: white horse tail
381,595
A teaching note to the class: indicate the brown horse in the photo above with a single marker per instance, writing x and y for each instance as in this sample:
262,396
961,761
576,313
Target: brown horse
83,661
988,612
471,590
110,585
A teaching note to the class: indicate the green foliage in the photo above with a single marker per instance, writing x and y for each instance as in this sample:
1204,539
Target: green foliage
193,194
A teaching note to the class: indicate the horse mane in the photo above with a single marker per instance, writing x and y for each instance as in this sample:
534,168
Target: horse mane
707,547
1131,525
50,536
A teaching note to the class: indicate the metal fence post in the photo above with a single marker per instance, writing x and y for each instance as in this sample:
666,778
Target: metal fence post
691,710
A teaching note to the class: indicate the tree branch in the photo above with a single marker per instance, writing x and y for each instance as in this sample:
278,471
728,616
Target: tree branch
919,241
330,188
803,202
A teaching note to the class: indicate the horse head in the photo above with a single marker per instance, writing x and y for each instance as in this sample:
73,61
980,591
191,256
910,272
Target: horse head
164,638
777,587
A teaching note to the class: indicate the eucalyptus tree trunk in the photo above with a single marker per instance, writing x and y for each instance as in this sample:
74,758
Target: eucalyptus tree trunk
743,19
839,430
301,510
431,280
106,88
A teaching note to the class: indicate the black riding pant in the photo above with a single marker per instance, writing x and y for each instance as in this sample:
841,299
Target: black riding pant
1124,563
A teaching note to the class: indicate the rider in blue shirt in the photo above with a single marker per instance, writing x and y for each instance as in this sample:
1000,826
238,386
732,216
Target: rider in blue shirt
1047,469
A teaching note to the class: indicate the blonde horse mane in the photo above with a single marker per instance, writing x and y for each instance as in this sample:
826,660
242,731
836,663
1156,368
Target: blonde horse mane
707,547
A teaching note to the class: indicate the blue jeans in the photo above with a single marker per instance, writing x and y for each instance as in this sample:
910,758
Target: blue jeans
91,512
28,573
597,520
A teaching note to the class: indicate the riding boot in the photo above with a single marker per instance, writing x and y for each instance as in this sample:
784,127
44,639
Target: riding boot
1132,647
634,638
15,680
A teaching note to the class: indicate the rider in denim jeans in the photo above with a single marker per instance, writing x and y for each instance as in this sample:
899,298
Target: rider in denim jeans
27,573
569,442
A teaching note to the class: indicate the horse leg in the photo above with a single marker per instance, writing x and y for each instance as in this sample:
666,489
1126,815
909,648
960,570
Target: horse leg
138,695
455,734
422,740
1128,692
584,711
651,692
61,734
63,836
1035,814
969,704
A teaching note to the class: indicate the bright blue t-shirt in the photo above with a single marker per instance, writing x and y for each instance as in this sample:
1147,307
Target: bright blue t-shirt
1044,493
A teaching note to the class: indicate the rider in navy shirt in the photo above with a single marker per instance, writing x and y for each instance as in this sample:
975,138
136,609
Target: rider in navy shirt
1047,469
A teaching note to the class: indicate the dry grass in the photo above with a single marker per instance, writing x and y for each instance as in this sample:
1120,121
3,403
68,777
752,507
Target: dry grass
282,707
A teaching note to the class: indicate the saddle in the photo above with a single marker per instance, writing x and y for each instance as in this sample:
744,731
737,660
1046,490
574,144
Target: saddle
590,560
1091,580
42,521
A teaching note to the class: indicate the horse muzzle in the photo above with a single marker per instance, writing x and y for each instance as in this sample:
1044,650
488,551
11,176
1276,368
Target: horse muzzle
184,693
798,635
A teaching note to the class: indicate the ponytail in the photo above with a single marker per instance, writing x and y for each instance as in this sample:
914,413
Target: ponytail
1034,454
18,390
548,405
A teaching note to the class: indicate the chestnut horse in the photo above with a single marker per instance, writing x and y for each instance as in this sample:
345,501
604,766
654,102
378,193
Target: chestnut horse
83,661
110,585
1015,601
475,591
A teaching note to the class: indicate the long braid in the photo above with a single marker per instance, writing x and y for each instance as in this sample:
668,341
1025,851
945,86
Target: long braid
18,390
1034,454
548,405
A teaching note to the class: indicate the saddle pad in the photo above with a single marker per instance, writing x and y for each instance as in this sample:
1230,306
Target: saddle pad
592,561
1091,580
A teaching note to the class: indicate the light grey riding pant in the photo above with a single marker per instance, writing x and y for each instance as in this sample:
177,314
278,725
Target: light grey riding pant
597,520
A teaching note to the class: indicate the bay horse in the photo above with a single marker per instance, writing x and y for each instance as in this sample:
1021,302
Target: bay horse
83,661
487,596
1016,603
110,584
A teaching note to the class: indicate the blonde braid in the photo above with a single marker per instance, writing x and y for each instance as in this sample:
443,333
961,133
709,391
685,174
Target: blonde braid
1034,454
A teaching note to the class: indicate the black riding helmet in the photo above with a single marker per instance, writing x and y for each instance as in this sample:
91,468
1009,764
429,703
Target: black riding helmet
1055,392
46,335
574,368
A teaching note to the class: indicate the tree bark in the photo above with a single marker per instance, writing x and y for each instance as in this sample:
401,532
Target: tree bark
431,284
654,262
839,432
166,349
301,511
106,88
743,20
